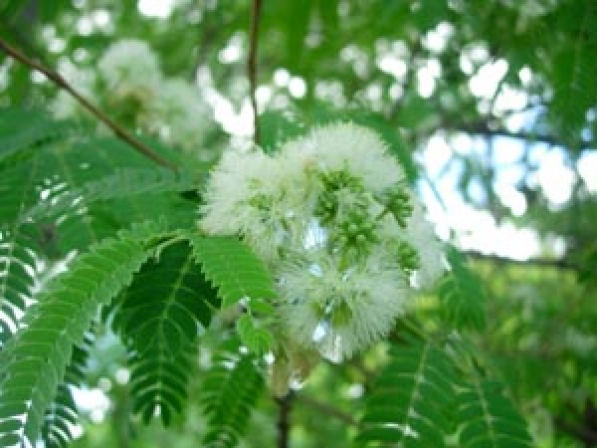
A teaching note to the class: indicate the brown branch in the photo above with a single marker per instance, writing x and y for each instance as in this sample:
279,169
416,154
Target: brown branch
284,409
328,410
541,262
57,79
252,66
484,130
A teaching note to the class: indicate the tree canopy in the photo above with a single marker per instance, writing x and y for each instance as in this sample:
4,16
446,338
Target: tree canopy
298,223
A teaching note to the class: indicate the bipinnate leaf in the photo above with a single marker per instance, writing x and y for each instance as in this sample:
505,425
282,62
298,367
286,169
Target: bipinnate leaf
230,392
34,361
122,183
410,402
424,398
159,318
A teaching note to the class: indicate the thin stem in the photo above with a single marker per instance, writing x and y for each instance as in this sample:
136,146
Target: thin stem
252,66
328,410
57,79
284,409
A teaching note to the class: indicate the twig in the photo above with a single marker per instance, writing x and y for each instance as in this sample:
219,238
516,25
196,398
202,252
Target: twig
328,410
284,409
57,79
542,262
252,66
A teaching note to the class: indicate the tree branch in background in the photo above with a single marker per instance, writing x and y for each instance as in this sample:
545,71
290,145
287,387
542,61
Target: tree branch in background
541,262
252,66
57,79
284,409
484,130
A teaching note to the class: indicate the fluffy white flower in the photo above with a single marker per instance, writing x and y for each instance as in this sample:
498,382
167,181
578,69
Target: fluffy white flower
179,115
130,65
340,310
332,217
248,196
356,149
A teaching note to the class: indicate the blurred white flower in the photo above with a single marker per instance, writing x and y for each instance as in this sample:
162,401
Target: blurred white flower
130,65
128,83
179,116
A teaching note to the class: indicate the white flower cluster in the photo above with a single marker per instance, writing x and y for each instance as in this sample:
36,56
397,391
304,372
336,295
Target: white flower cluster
333,218
129,84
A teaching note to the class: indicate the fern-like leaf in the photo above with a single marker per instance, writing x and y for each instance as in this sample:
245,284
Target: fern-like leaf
23,131
159,319
488,418
124,182
159,382
410,401
230,392
59,420
233,268
34,361
575,69
17,275
462,295
62,415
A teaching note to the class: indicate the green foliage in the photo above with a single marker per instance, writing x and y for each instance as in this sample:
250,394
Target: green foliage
462,294
233,268
158,317
123,183
62,415
423,398
257,339
574,70
19,141
230,392
34,361
406,69
488,418
411,400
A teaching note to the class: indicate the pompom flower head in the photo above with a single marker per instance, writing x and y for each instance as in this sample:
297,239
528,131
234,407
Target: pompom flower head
332,216
130,64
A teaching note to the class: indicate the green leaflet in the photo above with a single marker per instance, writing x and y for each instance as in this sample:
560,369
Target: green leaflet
60,417
411,400
23,131
230,391
422,398
256,338
34,361
574,71
462,295
488,418
17,275
233,268
62,414
158,319
124,182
